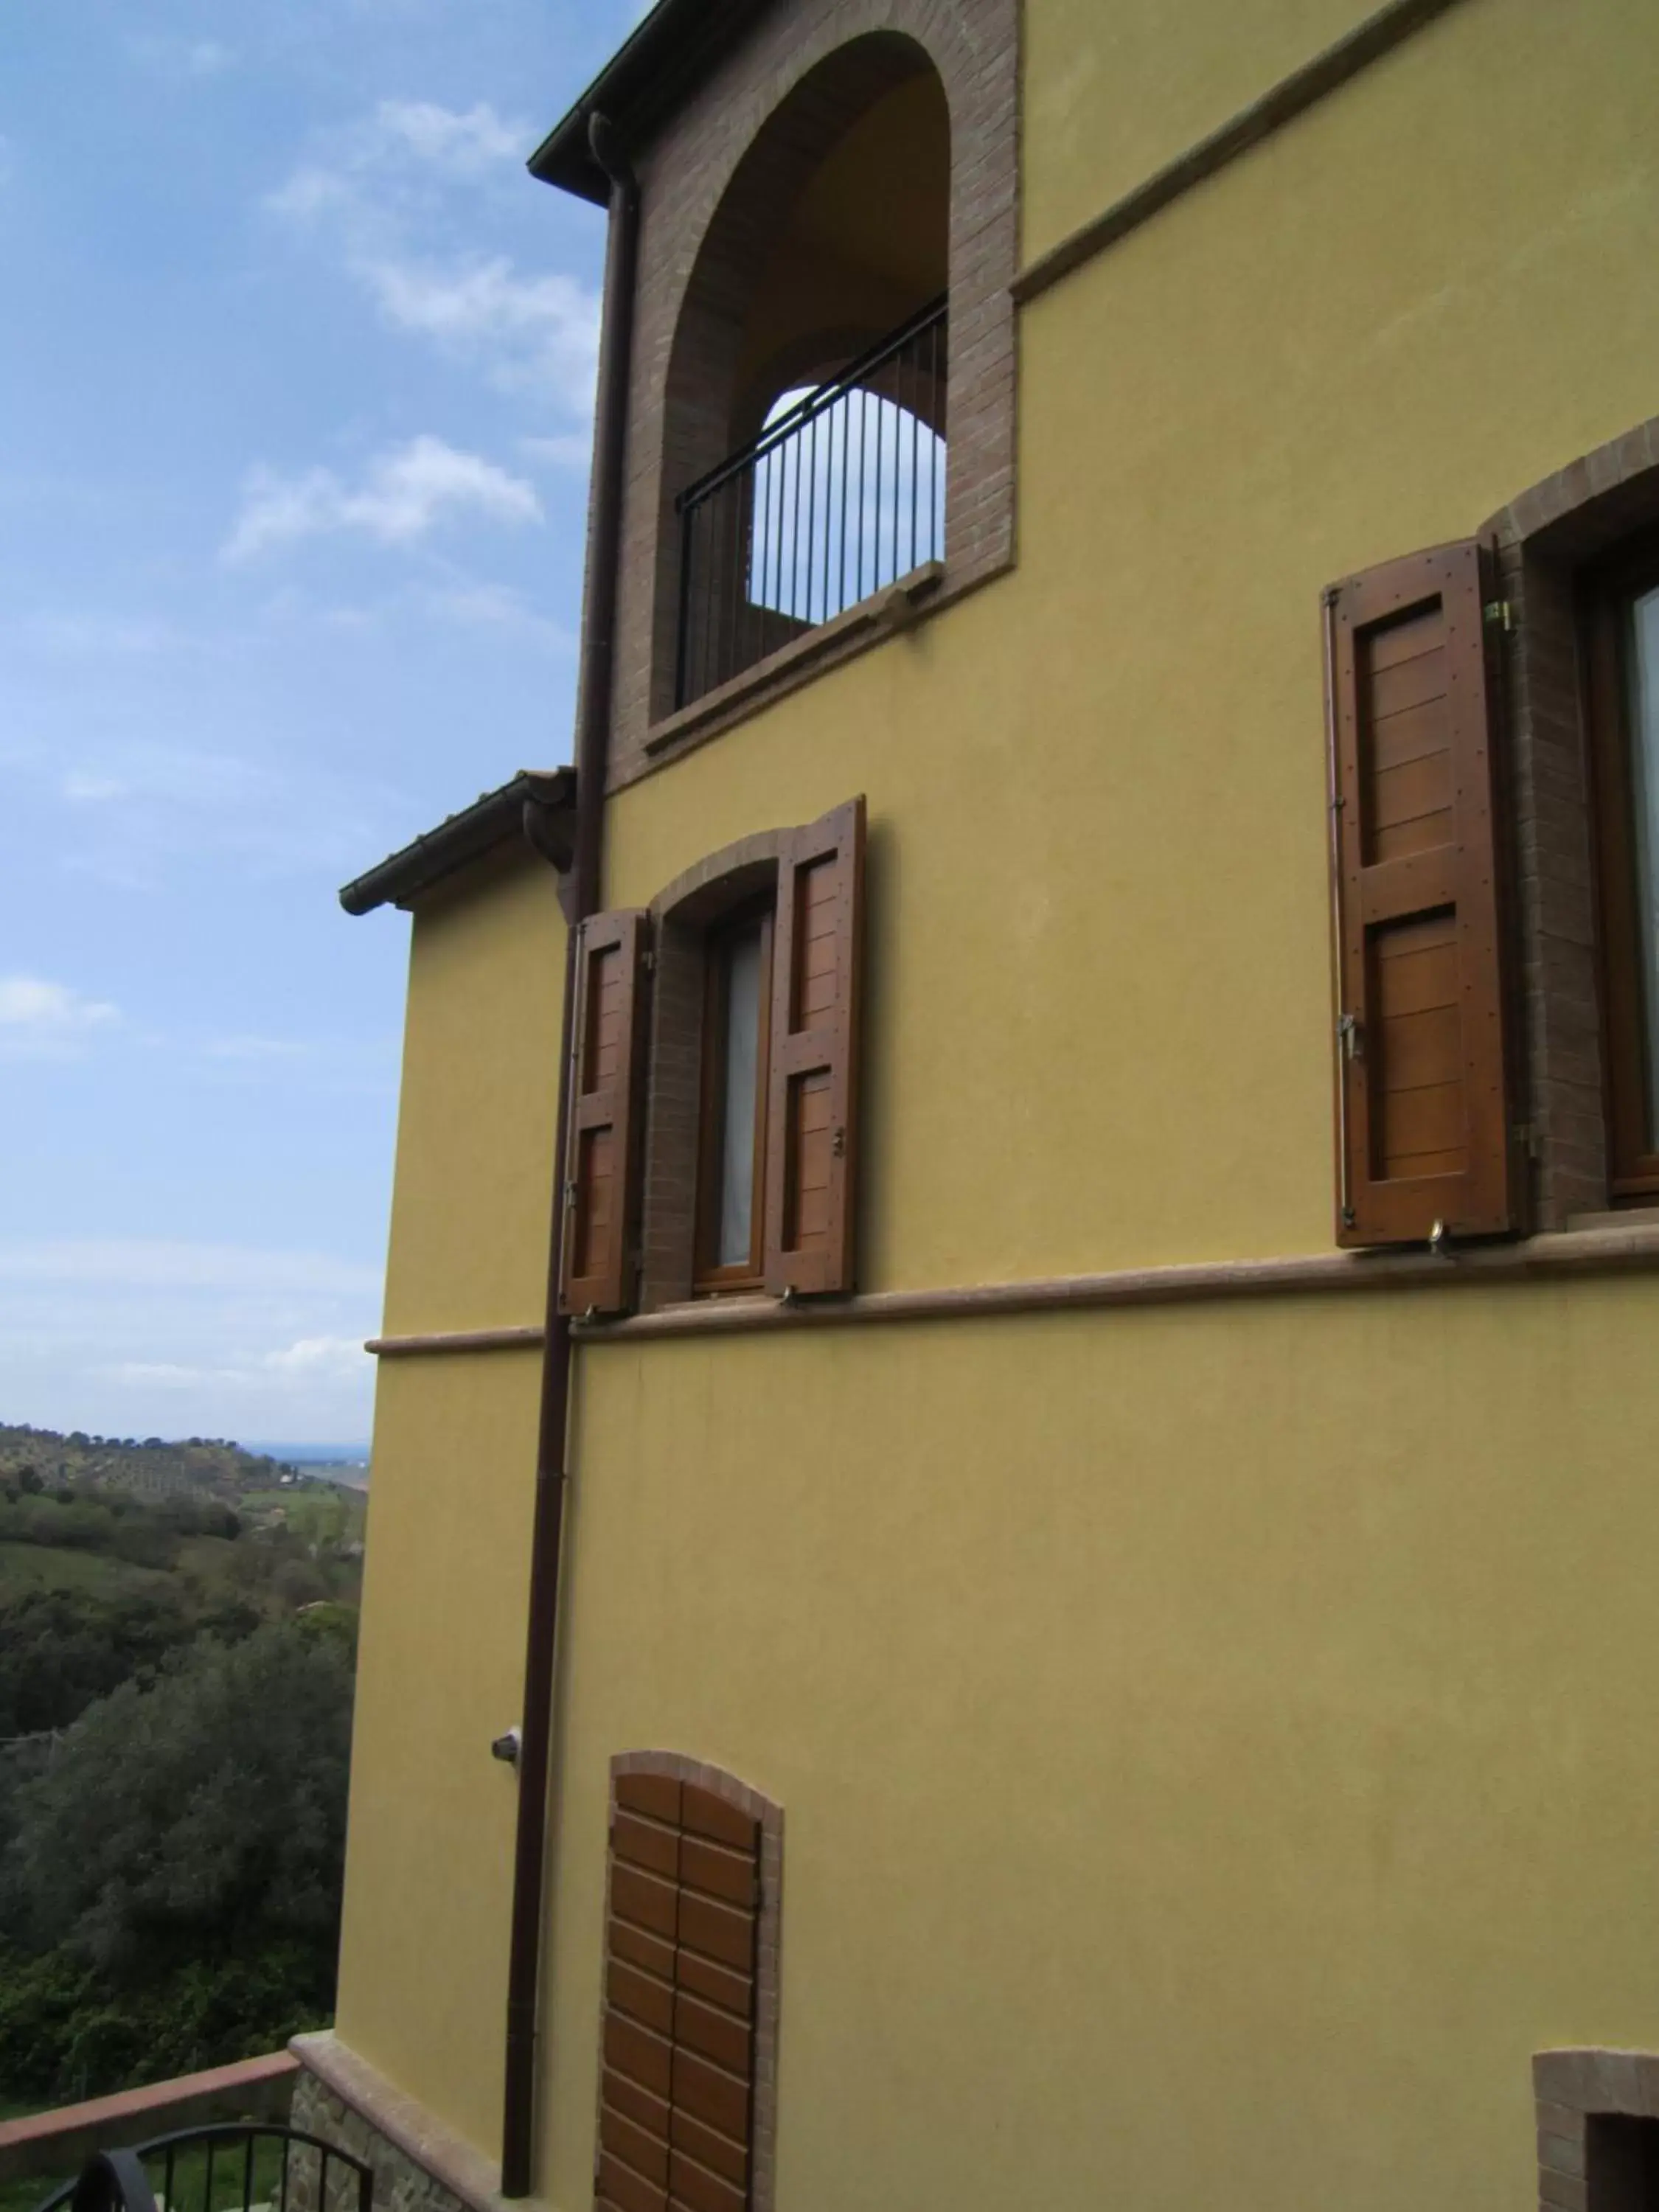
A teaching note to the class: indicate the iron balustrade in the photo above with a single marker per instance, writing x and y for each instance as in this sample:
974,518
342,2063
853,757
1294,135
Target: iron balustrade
229,2167
838,497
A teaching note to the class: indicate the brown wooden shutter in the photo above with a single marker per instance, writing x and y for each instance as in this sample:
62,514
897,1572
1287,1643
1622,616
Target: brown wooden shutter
677,2091
602,1175
812,1122
1424,1126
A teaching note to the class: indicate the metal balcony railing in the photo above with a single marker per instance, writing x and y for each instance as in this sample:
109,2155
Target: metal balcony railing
229,2167
838,497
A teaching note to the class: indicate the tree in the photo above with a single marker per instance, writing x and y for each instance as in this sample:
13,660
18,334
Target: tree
170,1895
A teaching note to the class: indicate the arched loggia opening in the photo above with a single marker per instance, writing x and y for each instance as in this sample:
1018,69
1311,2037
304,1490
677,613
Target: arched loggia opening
806,394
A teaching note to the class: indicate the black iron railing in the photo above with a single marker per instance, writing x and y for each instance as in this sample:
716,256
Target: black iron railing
837,497
236,2166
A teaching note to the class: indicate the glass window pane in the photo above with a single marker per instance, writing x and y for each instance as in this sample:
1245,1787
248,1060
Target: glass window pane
1645,799
742,985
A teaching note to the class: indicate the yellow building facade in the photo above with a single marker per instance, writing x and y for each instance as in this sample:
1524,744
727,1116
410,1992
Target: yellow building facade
1189,1679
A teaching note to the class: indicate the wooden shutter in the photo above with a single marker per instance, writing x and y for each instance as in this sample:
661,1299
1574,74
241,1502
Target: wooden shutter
676,2090
812,1100
1423,1132
602,1175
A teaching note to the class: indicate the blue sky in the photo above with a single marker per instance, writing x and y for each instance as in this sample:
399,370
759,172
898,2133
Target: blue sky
295,382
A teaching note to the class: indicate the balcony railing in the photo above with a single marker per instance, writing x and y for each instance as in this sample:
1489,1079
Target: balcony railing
251,2167
838,497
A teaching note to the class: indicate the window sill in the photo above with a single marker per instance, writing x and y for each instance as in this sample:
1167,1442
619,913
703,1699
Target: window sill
883,614
1627,1246
1622,1217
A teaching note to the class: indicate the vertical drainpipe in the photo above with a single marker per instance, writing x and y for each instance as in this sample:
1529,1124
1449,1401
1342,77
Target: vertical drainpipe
593,691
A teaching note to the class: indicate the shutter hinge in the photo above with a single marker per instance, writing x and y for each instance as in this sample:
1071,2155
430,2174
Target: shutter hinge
1499,612
1348,1036
1526,1134
570,1190
648,960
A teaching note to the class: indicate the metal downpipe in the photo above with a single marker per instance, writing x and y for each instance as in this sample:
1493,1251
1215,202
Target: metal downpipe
593,694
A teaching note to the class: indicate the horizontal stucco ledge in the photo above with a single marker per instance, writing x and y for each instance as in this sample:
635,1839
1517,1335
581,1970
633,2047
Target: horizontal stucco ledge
1560,1255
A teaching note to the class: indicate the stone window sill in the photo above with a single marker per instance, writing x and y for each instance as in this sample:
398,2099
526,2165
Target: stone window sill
884,613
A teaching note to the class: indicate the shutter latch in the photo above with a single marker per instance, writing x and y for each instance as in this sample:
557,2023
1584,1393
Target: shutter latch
1348,1036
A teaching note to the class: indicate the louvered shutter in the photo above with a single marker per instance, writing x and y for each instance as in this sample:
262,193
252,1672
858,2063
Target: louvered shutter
812,1104
1423,1108
677,2092
602,1174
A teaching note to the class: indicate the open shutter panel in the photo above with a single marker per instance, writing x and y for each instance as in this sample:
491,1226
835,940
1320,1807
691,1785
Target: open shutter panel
1423,1110
678,2084
811,1141
601,1176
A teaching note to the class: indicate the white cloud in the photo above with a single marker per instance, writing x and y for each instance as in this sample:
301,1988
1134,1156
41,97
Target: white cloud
403,492
39,1018
573,451
181,59
138,811
178,775
76,635
311,1360
384,195
132,1336
151,1264
337,1355
496,606
463,141
541,330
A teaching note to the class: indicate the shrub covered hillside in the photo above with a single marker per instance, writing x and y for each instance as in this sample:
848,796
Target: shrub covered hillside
176,1659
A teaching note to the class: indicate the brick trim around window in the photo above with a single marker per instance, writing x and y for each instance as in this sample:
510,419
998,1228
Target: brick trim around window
701,244
681,915
677,1766
1543,539
1579,2170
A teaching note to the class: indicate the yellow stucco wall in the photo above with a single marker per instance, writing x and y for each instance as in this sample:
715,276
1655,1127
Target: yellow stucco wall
428,1875
1213,1743
422,1991
474,1182
1113,91
1099,995
1212,1740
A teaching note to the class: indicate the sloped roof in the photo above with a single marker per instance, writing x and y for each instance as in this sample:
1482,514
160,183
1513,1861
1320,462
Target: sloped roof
492,818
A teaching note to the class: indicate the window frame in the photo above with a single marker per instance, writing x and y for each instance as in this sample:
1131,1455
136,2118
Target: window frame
709,1278
1608,588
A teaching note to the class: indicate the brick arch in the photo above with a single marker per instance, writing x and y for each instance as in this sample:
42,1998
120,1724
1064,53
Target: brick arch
715,184
748,223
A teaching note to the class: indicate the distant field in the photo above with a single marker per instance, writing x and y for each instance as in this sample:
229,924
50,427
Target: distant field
326,1517
27,1567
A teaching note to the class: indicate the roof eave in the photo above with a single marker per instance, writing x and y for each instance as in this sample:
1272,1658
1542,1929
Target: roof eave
497,815
647,77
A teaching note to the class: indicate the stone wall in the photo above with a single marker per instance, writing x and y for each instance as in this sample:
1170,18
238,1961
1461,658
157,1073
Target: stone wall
400,2184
